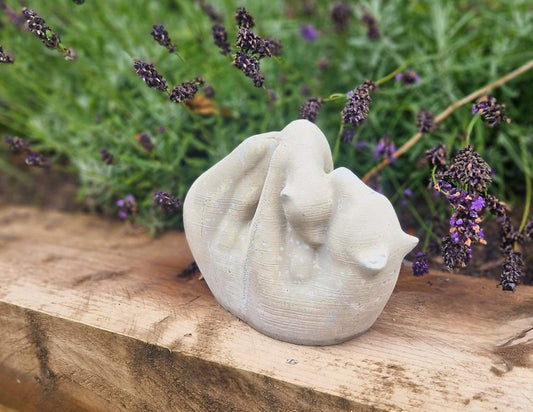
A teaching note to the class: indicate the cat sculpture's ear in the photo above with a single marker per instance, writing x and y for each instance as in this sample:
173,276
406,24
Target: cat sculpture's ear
374,261
408,243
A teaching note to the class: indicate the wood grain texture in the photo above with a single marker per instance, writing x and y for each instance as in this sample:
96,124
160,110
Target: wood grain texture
94,317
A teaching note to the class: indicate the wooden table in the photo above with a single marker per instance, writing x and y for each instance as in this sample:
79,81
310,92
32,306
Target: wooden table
94,317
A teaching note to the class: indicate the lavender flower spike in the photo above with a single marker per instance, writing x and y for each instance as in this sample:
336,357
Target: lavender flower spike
40,29
356,110
150,75
127,206
308,32
385,148
311,109
420,265
167,202
160,35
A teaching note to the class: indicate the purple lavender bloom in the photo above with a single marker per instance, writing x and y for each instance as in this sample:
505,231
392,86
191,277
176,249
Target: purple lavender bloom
385,148
127,207
420,265
372,26
465,223
436,156
311,109
408,77
478,204
468,167
107,157
356,110
341,14
209,92
513,266
455,236
492,112
408,192
249,65
275,47
425,121
183,91
167,202
220,37
40,29
455,254
123,202
160,35
145,141
347,134
5,57
251,43
37,160
150,75
211,13
243,18
16,144
308,32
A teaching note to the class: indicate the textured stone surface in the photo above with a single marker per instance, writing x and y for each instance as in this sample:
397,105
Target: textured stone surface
302,252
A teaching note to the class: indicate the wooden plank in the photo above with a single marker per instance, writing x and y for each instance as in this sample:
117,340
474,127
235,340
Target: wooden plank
94,317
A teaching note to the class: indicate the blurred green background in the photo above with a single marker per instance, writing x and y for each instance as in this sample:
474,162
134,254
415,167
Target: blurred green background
70,110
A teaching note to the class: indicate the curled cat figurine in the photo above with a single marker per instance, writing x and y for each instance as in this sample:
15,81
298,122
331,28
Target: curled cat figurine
300,251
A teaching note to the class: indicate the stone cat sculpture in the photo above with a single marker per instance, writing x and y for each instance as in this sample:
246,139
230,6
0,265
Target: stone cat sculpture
299,251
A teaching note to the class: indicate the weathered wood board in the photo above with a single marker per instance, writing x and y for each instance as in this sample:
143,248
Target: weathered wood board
94,317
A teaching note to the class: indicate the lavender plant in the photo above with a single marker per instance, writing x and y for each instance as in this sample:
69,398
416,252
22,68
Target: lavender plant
97,117
5,57
43,32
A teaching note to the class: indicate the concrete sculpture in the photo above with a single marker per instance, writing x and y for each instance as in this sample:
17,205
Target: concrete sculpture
301,252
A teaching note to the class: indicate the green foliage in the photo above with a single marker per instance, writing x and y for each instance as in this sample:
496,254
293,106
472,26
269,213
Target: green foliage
72,109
